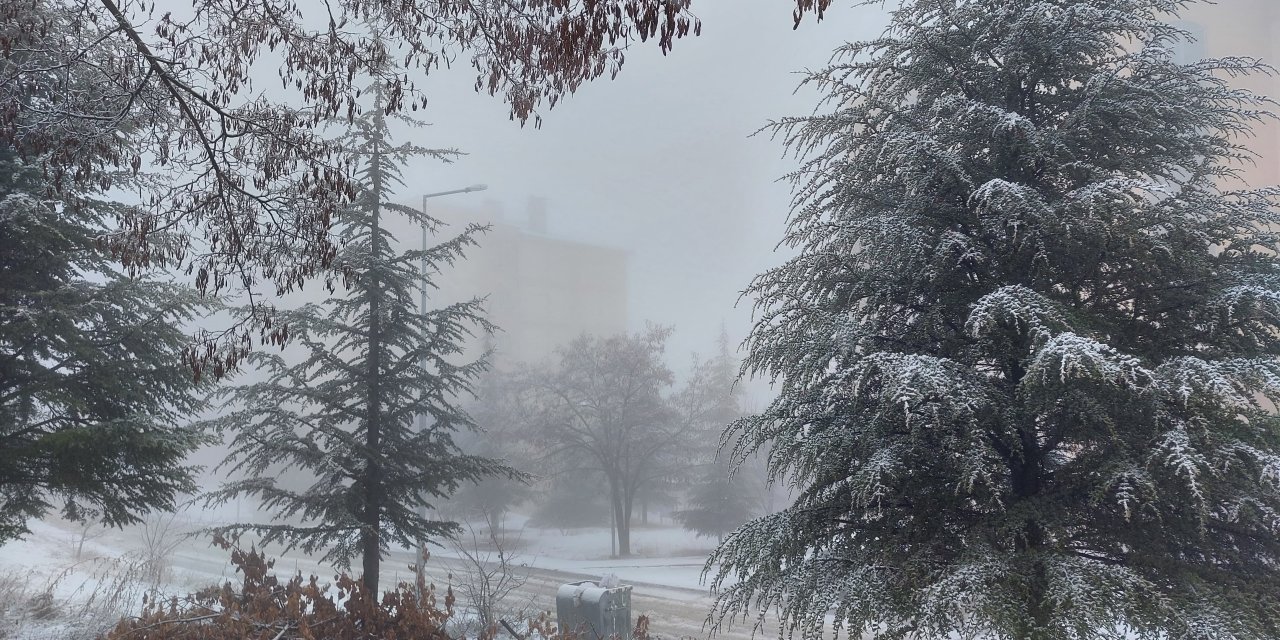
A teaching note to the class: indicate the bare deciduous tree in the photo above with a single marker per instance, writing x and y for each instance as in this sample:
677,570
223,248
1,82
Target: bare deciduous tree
603,403
489,572
86,531
160,536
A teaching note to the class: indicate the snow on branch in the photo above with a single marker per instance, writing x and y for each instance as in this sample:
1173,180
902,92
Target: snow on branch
1020,308
1177,453
1234,382
1068,357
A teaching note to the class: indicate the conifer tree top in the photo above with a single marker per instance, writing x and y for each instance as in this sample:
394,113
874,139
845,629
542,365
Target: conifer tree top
1027,349
350,444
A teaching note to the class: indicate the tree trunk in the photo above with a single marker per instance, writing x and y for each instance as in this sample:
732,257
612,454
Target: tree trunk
620,506
615,512
371,522
369,550
493,519
1037,604
624,538
624,525
1028,480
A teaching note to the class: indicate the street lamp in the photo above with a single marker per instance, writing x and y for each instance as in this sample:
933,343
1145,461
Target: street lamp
474,187
423,269
422,419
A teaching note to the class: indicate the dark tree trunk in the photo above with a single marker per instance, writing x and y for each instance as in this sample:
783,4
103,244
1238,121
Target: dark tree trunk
1035,622
624,525
371,523
1027,471
619,507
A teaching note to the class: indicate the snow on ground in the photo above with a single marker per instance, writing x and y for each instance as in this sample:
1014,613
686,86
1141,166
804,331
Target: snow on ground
53,584
664,556
66,581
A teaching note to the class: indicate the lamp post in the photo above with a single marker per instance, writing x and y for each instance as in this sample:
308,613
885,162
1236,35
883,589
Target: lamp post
422,272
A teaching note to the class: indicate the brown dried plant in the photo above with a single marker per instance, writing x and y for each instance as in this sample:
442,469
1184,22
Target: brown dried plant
267,608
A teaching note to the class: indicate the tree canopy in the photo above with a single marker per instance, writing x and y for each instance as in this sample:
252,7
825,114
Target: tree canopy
603,404
245,174
719,500
1027,349
94,400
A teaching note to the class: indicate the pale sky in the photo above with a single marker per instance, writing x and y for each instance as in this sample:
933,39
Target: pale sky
657,162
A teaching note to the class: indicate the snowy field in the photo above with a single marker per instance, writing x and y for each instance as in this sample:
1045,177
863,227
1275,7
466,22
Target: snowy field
68,581
662,556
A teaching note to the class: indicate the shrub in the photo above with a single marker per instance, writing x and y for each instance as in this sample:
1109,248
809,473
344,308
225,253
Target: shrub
297,609
264,608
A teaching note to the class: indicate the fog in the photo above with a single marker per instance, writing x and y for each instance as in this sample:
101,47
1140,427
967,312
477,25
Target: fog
646,201
657,189
658,162
660,188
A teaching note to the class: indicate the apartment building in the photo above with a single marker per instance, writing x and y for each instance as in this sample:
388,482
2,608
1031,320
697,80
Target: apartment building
541,289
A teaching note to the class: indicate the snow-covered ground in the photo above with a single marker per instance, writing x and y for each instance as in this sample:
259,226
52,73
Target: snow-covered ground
662,556
67,581
70,583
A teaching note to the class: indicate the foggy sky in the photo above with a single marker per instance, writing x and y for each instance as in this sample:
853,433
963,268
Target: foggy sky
658,162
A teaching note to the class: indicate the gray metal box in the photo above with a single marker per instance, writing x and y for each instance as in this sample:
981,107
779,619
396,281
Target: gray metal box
594,612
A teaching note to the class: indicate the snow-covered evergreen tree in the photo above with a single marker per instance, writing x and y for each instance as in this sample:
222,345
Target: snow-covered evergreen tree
347,413
1027,349
718,501
95,400
501,414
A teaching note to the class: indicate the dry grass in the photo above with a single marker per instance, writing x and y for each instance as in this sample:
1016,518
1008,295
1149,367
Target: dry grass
80,602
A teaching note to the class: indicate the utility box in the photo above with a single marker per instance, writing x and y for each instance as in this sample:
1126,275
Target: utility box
593,611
